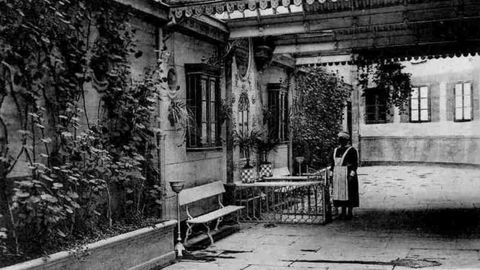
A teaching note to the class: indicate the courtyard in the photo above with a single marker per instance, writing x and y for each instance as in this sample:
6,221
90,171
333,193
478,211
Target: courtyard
409,217
124,122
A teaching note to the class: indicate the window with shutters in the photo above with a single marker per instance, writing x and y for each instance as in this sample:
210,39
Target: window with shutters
420,104
278,107
375,106
463,102
203,100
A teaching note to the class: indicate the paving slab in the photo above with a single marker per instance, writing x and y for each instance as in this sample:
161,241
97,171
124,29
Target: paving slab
410,216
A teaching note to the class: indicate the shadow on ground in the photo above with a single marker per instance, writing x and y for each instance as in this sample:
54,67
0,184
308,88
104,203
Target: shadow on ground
443,223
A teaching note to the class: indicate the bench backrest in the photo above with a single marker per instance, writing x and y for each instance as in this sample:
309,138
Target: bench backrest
198,193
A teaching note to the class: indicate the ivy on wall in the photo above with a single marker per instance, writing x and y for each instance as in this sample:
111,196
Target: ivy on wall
82,179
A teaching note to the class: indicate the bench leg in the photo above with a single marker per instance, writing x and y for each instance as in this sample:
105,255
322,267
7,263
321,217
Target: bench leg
188,233
218,223
207,226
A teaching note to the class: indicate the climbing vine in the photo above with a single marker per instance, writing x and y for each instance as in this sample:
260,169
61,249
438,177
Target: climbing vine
83,176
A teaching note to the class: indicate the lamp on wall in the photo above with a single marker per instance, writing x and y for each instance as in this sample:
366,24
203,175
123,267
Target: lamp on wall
177,186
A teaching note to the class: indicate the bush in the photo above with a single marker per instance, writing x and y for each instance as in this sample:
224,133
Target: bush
316,115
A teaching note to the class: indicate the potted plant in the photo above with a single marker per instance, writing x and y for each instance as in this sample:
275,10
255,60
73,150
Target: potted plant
264,148
247,142
178,113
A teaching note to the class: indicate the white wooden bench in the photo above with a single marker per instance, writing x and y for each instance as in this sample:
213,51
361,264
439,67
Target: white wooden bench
195,194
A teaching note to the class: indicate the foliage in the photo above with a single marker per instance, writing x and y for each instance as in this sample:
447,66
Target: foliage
247,141
268,115
318,115
82,178
388,76
225,111
179,113
265,146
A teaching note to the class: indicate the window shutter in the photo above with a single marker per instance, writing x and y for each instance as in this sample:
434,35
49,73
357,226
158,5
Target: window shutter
435,103
450,101
476,101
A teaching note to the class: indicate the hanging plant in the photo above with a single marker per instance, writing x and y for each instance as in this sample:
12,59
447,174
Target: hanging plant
225,111
179,114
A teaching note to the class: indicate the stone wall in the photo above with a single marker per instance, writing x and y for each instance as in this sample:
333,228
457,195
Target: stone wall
440,141
193,167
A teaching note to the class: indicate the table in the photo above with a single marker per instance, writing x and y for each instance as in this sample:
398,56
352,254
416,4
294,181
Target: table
286,178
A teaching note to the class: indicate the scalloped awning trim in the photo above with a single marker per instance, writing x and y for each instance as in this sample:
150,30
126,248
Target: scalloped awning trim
202,8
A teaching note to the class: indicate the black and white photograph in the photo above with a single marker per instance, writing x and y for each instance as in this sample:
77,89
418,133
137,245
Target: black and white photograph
239,134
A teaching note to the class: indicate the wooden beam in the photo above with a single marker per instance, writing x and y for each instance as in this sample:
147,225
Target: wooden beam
345,21
148,7
323,59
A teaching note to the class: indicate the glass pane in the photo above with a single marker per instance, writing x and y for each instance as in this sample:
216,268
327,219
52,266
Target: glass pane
467,101
414,115
204,90
424,103
467,89
204,134
467,113
204,111
212,112
414,104
458,102
414,92
212,90
423,92
458,114
424,115
213,135
458,90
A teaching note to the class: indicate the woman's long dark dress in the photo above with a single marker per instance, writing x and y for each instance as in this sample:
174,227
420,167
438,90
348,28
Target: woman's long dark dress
351,161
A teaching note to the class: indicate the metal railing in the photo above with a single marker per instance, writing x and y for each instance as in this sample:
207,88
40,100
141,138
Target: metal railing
285,201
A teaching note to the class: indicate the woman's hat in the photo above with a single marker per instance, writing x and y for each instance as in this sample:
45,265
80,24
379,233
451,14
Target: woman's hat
344,135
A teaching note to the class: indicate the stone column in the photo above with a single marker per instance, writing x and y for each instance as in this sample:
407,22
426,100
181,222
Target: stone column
357,115
229,197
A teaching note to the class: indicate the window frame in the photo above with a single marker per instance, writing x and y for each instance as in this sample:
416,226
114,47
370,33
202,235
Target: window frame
375,92
463,105
419,108
280,120
195,75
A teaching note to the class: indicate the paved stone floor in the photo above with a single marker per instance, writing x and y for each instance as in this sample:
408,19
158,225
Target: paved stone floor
410,217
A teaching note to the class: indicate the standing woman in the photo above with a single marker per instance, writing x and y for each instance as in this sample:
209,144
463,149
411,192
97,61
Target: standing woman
345,180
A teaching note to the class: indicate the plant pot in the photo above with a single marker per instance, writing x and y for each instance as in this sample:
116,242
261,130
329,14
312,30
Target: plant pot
247,175
266,170
147,248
